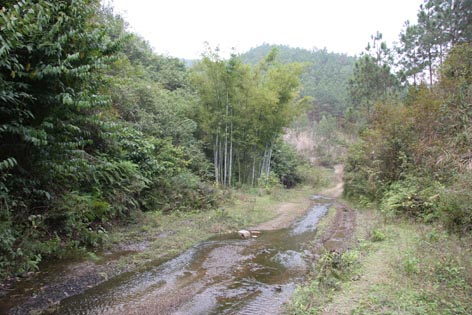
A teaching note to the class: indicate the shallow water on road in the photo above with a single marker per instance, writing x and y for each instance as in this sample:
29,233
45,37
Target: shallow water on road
223,275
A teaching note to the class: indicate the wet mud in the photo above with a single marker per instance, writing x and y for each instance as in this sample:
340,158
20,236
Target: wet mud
223,275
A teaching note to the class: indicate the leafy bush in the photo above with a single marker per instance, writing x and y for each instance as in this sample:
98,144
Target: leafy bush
413,197
314,176
183,192
362,180
411,265
80,218
414,158
285,162
335,267
455,205
378,236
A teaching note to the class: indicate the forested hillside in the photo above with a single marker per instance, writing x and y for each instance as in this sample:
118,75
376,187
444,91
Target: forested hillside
409,172
325,78
95,127
414,155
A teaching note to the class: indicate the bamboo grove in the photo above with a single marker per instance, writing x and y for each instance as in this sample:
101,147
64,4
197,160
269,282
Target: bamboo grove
95,127
242,113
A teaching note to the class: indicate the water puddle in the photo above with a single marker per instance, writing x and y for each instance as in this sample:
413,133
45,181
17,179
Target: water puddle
223,275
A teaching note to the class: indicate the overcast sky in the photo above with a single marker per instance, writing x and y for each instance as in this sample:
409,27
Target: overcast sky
179,28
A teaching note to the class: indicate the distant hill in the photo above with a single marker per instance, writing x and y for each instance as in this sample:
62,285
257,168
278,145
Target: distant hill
325,78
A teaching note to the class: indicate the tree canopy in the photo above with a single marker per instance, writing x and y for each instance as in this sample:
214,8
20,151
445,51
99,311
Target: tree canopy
413,156
325,77
95,127
243,111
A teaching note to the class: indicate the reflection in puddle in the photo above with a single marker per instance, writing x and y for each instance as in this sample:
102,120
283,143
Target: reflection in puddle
224,275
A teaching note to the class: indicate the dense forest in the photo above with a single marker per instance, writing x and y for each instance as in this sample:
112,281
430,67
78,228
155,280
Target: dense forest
414,155
324,79
96,128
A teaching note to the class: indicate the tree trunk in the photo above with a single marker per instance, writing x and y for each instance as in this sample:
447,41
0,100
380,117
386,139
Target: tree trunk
221,161
230,151
239,169
268,162
253,170
263,164
215,154
226,140
430,66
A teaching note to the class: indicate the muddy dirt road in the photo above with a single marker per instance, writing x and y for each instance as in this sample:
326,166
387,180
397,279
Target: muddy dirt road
225,274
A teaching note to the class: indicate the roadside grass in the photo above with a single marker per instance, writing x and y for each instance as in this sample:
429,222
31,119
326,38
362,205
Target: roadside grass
397,267
158,236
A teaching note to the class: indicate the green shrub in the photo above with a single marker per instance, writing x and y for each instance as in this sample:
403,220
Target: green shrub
22,248
334,267
410,265
80,219
313,176
455,205
429,200
413,197
183,192
362,180
285,162
378,236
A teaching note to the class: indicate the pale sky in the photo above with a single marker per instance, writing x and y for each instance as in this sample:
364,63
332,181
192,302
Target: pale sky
179,28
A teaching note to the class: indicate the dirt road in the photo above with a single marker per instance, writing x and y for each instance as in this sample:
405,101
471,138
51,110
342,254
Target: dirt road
224,275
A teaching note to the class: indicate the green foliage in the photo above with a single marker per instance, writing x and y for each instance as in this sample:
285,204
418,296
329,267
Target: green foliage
93,126
372,81
286,163
158,132
325,76
51,64
455,114
414,158
410,265
414,197
377,236
441,26
455,205
80,218
242,112
335,267
332,269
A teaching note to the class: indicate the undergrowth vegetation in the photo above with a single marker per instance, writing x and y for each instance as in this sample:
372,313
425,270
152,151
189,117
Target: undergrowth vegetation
95,128
396,267
414,157
88,131
428,272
